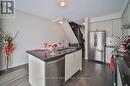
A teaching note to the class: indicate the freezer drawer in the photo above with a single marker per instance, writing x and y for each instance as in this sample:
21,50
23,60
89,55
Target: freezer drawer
99,56
91,54
55,72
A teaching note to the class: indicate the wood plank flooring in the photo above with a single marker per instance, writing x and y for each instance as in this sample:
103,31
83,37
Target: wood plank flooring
93,74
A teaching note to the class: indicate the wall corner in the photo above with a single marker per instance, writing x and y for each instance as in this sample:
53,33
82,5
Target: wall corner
86,37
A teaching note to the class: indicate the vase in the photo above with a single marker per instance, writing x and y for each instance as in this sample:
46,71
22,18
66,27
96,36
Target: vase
3,60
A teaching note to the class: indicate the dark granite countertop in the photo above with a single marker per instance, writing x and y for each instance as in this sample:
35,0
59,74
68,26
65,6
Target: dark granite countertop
124,60
45,55
124,67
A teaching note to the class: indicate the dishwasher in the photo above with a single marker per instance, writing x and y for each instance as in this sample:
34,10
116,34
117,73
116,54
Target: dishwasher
55,72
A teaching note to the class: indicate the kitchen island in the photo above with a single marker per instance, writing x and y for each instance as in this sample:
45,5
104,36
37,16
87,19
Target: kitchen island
53,70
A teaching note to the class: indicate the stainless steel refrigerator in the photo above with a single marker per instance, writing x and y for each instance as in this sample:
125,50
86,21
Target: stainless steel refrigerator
97,41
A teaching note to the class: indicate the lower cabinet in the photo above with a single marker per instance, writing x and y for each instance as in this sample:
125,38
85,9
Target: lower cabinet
119,81
73,63
36,71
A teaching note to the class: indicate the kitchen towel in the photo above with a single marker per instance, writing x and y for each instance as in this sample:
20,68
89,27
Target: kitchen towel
112,64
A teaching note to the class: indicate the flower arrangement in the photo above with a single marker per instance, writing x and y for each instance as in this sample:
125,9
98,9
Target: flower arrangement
3,41
7,45
10,47
52,47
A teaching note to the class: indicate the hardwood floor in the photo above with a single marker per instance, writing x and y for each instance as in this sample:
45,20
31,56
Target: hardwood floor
93,74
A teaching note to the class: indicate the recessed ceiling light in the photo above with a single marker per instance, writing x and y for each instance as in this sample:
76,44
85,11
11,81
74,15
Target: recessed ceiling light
61,22
84,23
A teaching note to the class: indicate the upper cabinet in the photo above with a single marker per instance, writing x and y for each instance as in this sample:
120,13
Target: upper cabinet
126,20
126,16
112,27
93,26
117,27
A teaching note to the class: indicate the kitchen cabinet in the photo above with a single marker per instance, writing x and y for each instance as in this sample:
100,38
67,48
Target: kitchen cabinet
112,27
123,71
126,16
117,27
64,64
73,63
107,26
126,21
119,81
36,71
103,25
78,59
93,26
126,32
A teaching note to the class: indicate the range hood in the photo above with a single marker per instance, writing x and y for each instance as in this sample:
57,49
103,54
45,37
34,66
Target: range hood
126,27
126,30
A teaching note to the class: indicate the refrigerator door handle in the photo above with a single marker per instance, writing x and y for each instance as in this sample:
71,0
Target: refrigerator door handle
95,40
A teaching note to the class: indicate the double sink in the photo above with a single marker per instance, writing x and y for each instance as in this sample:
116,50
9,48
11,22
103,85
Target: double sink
66,50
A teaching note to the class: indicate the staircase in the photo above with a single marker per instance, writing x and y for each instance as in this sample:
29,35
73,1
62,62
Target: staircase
76,30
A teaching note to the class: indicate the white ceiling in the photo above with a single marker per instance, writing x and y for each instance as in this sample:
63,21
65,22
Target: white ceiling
76,10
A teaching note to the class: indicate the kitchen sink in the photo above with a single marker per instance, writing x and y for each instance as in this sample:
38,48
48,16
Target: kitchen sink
67,49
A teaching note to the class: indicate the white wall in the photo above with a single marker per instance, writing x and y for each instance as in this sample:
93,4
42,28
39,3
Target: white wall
33,32
70,34
86,37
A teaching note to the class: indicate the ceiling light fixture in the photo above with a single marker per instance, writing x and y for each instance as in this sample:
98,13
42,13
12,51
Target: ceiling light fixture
62,3
61,22
83,23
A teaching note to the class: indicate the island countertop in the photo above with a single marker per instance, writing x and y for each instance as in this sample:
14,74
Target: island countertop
45,55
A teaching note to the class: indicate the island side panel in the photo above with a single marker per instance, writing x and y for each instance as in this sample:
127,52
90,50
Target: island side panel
78,59
36,71
73,63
